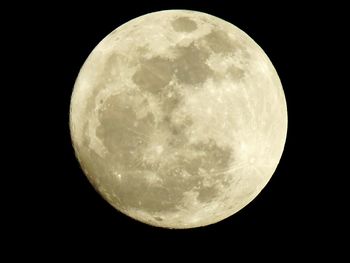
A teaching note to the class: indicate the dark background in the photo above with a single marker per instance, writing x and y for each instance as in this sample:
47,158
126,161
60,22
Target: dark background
62,211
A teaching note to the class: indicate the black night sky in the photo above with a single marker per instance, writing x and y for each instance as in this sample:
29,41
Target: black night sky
62,210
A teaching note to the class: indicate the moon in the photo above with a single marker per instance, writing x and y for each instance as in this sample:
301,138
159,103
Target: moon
178,119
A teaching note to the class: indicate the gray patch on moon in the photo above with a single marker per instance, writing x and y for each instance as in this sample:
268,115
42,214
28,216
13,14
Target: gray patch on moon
235,73
127,156
207,194
117,131
184,24
135,192
147,77
220,42
216,158
190,66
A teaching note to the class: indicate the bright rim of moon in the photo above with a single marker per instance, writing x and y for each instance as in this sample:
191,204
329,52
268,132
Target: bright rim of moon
178,119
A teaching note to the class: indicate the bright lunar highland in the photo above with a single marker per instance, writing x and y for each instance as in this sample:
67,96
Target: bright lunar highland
178,119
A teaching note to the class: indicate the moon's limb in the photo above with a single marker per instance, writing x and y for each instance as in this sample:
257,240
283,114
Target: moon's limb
178,119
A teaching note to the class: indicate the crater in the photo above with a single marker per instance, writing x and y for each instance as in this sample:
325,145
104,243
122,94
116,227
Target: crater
235,73
184,24
170,103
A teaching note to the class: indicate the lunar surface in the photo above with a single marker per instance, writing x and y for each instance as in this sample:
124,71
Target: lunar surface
178,119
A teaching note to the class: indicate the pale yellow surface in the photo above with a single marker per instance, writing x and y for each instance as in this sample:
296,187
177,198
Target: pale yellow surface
178,119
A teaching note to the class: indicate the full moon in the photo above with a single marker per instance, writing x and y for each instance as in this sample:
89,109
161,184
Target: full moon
178,119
